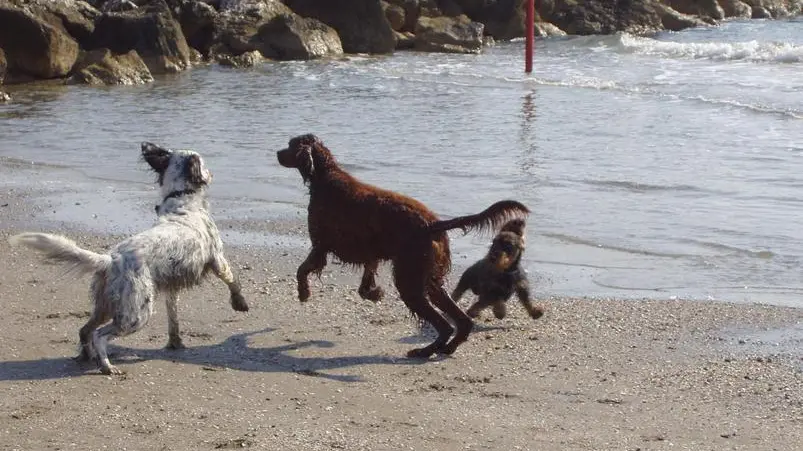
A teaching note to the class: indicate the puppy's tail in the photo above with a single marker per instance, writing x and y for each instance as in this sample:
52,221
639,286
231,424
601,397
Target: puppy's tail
490,218
60,249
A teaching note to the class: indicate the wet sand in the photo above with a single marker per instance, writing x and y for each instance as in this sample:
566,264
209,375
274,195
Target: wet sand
592,374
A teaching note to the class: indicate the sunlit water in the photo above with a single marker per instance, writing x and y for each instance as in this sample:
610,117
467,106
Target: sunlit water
654,167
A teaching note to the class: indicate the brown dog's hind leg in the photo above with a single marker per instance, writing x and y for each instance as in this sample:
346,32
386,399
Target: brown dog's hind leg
315,262
410,284
368,288
440,297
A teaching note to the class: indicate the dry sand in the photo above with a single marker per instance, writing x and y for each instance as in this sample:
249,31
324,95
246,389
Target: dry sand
592,374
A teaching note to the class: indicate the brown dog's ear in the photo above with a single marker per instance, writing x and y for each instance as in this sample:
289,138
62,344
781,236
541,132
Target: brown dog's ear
156,156
193,171
306,165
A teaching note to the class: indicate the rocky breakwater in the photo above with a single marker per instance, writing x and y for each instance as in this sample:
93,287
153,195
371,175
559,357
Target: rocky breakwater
130,41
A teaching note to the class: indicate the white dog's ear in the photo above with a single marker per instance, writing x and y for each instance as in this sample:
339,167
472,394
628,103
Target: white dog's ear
156,156
194,171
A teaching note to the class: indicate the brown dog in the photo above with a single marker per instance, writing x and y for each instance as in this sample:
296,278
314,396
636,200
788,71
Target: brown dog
496,277
363,225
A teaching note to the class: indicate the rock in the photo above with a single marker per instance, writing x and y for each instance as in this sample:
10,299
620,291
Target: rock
361,24
412,10
703,8
448,34
4,97
405,40
74,17
118,6
33,47
675,21
546,29
292,37
503,19
276,32
238,23
395,15
736,8
198,22
3,65
760,12
777,9
102,67
247,59
151,31
583,17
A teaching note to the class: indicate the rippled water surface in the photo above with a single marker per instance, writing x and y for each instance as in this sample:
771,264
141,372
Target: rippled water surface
657,167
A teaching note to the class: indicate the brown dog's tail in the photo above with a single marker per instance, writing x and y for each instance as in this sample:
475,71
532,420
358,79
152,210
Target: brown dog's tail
490,218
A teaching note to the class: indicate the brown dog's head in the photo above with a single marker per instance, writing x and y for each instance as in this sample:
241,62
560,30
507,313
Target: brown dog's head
508,245
305,153
178,170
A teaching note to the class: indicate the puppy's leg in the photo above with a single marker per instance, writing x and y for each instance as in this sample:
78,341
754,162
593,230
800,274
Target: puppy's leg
174,336
134,314
440,297
221,268
315,262
368,288
476,308
523,293
463,284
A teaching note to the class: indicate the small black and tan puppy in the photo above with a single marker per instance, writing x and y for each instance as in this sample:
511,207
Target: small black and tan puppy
496,277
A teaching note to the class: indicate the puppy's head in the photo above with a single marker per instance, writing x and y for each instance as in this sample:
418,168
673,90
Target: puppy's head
508,245
177,169
302,153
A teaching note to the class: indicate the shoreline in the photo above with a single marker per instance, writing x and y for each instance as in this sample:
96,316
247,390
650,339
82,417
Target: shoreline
331,373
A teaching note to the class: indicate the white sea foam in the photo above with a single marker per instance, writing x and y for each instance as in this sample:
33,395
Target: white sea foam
755,51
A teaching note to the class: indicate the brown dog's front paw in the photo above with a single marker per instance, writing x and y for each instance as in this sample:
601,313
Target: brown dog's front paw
421,353
303,293
536,312
238,302
374,295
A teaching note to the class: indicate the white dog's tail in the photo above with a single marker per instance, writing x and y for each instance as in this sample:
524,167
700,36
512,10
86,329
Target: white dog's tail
63,250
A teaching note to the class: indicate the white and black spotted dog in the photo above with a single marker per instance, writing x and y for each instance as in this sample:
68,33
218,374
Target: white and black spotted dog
173,255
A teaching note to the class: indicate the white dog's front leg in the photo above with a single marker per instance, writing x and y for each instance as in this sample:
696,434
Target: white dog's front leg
174,336
222,270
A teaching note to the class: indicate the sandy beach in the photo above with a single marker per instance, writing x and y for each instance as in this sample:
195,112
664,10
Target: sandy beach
592,374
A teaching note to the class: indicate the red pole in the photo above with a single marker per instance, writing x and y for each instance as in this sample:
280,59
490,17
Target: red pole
528,50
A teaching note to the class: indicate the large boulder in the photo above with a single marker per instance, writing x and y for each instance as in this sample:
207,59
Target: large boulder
151,30
736,8
705,9
503,19
448,34
583,17
198,22
271,28
34,48
775,8
102,67
412,10
74,17
3,65
361,24
292,37
395,14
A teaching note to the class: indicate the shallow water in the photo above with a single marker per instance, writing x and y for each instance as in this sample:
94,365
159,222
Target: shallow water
655,167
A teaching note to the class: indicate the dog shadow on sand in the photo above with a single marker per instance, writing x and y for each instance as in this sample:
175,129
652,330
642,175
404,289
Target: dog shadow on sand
233,353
